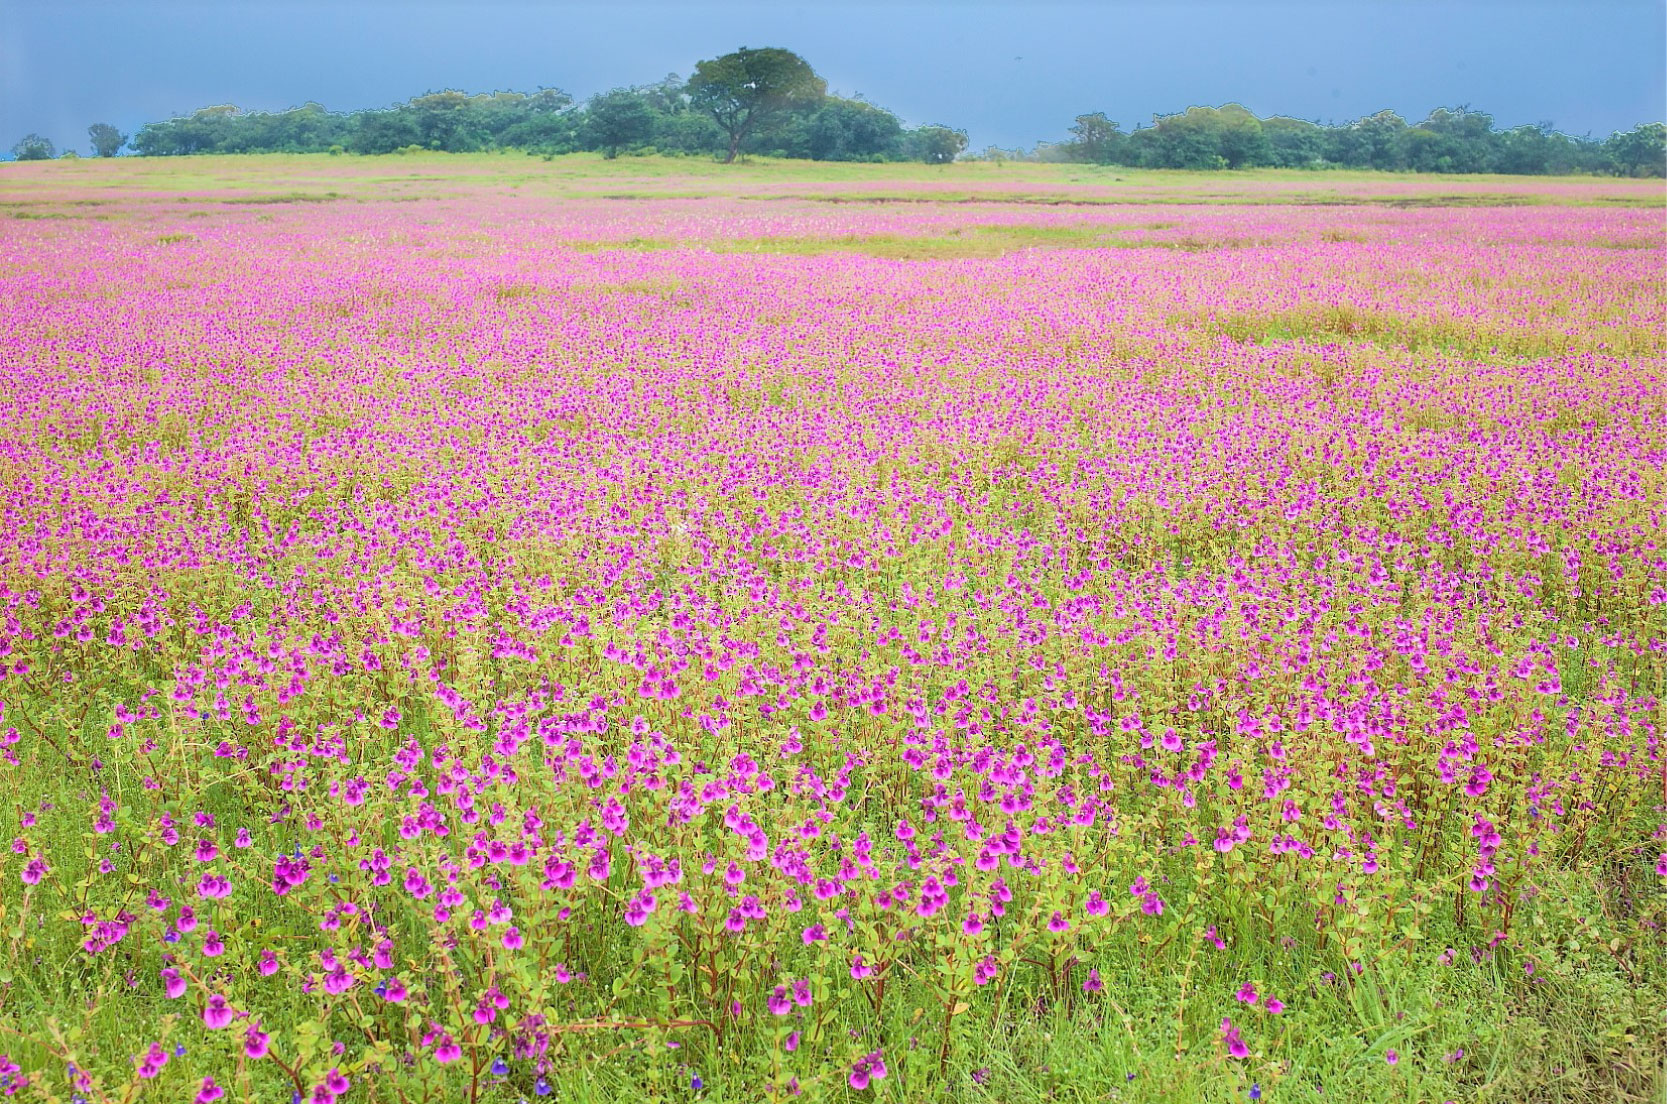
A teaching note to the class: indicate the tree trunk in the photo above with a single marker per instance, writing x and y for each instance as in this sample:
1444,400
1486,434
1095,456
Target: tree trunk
734,147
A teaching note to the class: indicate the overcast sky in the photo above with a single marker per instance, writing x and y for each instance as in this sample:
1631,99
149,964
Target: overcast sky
1010,73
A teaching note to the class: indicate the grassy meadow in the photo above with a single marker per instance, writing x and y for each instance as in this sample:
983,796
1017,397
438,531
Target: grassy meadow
492,628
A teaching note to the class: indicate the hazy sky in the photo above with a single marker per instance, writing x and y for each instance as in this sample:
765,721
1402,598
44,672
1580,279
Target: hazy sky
1010,73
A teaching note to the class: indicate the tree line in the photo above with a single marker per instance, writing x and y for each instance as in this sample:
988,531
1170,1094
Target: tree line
763,102
771,102
1448,140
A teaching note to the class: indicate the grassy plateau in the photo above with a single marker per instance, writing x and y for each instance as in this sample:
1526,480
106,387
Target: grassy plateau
497,629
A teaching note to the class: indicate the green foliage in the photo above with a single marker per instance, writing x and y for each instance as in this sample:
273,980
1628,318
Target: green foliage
106,139
1641,151
743,90
935,145
770,102
1448,140
1294,143
850,130
1095,139
32,147
1228,137
617,120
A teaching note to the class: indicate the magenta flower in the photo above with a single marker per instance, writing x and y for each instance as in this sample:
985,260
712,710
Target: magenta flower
217,1013
867,1069
1234,1042
150,1063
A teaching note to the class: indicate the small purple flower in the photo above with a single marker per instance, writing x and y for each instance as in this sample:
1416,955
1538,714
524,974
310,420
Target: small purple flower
868,1068
1231,1037
218,1014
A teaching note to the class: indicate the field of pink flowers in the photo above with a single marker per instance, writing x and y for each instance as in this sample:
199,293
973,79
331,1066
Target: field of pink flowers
496,647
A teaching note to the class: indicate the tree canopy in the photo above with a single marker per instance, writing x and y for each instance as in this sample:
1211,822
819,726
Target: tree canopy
107,140
749,88
32,147
618,119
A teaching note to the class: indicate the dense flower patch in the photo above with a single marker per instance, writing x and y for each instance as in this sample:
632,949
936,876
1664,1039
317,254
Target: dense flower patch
438,656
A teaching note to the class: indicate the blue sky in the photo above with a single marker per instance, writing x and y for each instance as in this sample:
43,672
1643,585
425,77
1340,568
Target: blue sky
1010,73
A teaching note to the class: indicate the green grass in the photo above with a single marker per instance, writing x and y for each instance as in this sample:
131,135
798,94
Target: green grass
1562,1016
280,179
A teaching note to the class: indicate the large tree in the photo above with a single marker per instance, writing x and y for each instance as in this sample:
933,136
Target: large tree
1094,139
617,120
106,139
32,147
746,89
936,145
1641,151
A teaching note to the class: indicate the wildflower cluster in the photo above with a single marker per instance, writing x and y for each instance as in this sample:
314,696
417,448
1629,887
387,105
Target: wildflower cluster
444,655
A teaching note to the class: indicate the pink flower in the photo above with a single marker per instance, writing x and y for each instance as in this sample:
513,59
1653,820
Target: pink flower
152,1061
868,1068
1235,1043
218,1013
